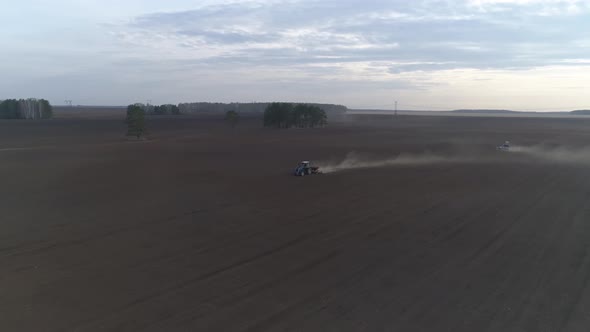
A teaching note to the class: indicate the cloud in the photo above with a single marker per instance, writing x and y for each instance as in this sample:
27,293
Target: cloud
349,51
440,34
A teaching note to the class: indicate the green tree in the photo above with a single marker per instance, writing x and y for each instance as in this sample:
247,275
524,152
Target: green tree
46,109
159,110
135,120
317,117
232,117
165,110
9,109
174,110
26,109
308,116
298,116
278,115
285,115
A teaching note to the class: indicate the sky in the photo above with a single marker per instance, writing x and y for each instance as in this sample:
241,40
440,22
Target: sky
425,54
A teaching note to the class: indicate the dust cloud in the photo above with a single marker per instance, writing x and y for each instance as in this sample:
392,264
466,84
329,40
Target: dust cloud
539,153
559,154
355,161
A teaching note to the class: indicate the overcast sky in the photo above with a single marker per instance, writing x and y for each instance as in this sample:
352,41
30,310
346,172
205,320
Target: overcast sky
510,54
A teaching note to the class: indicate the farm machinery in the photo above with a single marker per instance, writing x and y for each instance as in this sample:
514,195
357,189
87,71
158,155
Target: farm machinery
305,168
504,147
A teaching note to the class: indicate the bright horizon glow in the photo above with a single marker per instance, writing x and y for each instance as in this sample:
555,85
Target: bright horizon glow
426,54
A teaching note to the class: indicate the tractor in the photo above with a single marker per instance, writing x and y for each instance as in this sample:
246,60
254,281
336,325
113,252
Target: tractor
305,168
504,147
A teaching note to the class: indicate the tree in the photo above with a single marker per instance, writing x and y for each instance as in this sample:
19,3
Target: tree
46,109
284,115
232,117
135,120
164,110
278,115
159,110
25,109
174,110
9,109
317,117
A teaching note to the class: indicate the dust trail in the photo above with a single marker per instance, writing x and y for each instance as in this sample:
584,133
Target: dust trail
560,154
355,161
542,153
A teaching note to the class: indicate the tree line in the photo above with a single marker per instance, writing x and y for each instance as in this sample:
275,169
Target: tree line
26,109
287,115
280,115
243,108
166,109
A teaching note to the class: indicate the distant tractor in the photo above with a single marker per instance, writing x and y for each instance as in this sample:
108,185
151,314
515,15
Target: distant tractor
305,168
504,147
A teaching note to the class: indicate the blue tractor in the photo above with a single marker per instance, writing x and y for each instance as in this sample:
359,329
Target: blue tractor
304,168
